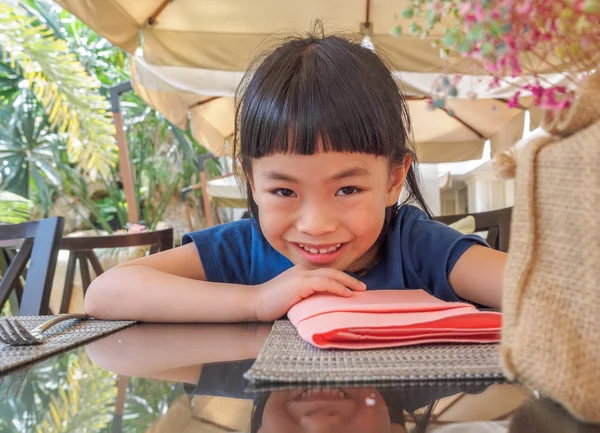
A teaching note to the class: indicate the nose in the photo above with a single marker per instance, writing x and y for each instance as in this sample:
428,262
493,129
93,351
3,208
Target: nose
321,421
316,219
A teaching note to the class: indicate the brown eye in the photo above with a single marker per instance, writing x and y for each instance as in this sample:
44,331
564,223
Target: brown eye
284,192
347,190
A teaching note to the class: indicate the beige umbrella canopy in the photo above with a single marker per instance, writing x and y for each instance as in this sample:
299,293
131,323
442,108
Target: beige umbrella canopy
193,50
223,34
190,55
203,100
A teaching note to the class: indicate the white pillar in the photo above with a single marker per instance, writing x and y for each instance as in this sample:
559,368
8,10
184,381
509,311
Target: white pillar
430,186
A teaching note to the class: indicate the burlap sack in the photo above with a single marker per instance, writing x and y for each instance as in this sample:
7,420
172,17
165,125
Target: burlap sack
551,302
545,416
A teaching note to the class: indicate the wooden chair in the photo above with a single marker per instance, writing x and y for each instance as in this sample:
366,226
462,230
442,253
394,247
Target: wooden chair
38,243
81,249
496,223
211,199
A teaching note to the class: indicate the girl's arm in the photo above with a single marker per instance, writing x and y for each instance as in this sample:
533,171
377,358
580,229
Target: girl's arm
168,287
171,287
478,276
176,352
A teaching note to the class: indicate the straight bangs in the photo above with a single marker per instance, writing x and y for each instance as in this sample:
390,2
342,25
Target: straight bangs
320,93
325,95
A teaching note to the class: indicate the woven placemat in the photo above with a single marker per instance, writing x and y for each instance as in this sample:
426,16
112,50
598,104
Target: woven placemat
285,357
56,339
463,385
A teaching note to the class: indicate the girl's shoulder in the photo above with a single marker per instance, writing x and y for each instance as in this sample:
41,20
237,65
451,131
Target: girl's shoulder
242,229
411,222
409,217
409,211
227,251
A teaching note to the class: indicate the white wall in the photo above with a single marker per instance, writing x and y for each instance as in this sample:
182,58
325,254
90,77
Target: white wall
430,186
488,193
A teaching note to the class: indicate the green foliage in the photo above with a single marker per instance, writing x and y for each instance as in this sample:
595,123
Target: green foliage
64,394
29,150
62,86
69,393
146,401
14,209
39,161
84,403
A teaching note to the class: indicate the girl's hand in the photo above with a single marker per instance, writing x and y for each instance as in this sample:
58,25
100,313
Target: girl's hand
274,298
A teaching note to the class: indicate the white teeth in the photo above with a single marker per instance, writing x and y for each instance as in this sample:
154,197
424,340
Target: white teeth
320,250
307,393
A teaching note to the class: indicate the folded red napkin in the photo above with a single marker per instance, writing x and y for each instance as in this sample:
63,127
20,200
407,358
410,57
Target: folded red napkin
390,318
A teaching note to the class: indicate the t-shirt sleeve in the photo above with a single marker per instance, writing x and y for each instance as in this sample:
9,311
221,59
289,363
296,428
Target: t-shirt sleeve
432,249
224,251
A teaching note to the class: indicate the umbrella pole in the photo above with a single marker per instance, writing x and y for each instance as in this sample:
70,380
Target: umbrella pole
124,161
204,186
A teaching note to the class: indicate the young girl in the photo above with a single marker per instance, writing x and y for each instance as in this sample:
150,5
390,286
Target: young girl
323,136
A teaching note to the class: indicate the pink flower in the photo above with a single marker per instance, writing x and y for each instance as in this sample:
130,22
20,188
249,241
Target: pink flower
514,100
524,8
510,41
464,8
489,66
565,103
479,13
517,30
136,228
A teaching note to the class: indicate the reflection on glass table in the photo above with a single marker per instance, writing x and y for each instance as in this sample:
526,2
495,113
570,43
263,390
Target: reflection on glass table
189,378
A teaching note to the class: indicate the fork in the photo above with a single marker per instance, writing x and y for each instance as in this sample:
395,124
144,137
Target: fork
13,333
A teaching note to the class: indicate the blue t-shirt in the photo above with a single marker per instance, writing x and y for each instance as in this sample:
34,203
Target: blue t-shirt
417,253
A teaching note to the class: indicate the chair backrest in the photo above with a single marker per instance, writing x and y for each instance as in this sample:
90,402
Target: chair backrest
81,250
38,243
496,223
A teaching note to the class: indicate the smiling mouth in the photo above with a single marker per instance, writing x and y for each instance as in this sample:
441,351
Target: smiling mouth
322,394
322,250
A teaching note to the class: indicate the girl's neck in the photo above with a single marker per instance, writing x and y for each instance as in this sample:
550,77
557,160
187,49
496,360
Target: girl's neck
366,261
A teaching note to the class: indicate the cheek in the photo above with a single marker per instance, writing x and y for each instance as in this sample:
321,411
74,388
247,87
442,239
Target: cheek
273,216
366,219
370,420
275,416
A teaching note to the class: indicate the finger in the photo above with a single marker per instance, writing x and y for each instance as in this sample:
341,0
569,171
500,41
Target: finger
343,278
324,285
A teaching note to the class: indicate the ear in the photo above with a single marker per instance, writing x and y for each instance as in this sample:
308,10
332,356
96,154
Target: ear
398,174
248,177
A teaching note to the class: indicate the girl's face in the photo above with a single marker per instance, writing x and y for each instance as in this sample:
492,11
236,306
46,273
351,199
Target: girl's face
326,209
335,410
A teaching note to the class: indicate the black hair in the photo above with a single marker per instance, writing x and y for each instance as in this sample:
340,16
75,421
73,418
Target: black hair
328,93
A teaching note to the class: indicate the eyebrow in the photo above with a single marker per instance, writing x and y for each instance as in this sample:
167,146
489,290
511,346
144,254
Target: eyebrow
350,172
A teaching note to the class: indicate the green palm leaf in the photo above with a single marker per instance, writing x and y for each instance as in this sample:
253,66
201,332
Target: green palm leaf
69,95
28,150
14,209
87,404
